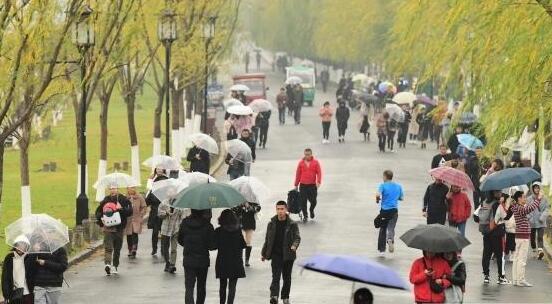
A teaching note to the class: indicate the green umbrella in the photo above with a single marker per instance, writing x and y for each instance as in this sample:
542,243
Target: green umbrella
208,196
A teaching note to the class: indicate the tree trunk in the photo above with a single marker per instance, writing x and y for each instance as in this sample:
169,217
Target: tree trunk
189,123
2,150
24,167
102,164
182,124
157,122
76,109
135,151
175,148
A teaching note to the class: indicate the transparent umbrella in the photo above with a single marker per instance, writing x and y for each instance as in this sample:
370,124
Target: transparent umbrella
405,98
294,80
252,188
118,180
395,112
43,233
194,178
260,105
232,102
205,142
239,87
239,150
240,110
163,162
168,188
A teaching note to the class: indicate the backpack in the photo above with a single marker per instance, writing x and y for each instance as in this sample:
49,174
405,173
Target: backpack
486,218
294,202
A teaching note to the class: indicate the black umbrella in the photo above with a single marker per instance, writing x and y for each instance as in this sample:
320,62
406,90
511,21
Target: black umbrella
435,238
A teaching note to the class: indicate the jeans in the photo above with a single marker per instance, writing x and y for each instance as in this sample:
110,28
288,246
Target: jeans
387,230
326,129
283,269
231,284
191,276
169,242
282,115
492,243
461,227
308,192
390,139
263,135
113,242
537,235
297,115
381,141
132,242
520,260
47,295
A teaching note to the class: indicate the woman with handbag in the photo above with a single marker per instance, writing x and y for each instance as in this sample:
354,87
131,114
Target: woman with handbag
17,286
429,276
246,213
455,292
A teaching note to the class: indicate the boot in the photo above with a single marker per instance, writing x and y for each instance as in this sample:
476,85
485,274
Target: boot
247,255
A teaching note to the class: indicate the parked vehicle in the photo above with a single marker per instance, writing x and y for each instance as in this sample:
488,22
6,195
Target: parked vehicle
256,84
308,78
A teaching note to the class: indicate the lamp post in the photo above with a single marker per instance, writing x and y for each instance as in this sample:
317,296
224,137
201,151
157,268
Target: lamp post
83,38
208,35
166,31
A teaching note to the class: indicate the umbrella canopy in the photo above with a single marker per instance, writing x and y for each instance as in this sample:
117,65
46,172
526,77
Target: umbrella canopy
509,177
405,98
232,102
361,77
251,188
386,86
118,180
260,105
205,142
435,238
239,150
240,110
208,196
369,98
42,232
510,191
467,118
469,141
195,178
355,269
452,176
395,112
239,87
294,80
163,162
423,99
167,189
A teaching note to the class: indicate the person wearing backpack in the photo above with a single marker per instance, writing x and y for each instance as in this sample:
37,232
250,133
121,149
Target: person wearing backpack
455,292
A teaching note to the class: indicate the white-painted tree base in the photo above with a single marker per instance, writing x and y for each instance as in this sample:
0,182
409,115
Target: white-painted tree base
188,130
25,200
79,181
102,171
197,123
175,144
182,141
156,146
135,162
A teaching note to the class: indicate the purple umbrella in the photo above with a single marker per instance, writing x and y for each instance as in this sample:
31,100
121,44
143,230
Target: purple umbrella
425,100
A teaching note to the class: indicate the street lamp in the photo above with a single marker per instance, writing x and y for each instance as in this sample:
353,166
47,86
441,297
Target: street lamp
208,35
83,38
166,32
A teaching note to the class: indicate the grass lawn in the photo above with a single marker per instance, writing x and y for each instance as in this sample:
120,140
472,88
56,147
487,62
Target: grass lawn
54,193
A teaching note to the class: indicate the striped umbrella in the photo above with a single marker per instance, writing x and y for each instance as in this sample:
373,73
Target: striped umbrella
452,176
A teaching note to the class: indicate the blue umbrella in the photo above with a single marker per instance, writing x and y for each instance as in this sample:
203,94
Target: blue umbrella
508,178
355,269
469,141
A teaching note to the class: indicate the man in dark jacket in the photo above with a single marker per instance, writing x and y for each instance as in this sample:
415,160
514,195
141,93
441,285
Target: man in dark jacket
299,99
453,143
196,235
290,99
441,158
342,115
199,160
262,122
154,222
324,79
435,203
47,276
280,246
473,170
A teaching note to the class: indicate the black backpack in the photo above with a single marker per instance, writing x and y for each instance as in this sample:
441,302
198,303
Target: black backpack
294,201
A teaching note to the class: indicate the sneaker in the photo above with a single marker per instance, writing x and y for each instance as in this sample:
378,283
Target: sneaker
172,269
107,269
486,280
503,281
390,245
305,218
524,284
286,301
154,252
247,264
114,270
540,254
382,254
273,300
312,214
167,268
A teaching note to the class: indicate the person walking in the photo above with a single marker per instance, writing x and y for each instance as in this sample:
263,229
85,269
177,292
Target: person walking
381,125
290,99
113,204
459,208
426,125
246,138
154,222
391,131
435,203
440,159
389,194
325,79
299,100
364,121
17,281
200,160
134,222
414,128
403,127
263,122
258,60
246,61
236,166
473,170
47,276
280,247
326,113
521,209
196,235
429,275
281,101
246,213
172,218
537,220
229,265
510,227
342,115
453,142
455,292
308,178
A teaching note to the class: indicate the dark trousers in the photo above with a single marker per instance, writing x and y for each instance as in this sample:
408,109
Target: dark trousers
476,199
326,129
390,139
510,243
341,128
537,235
403,131
263,135
381,141
113,242
280,268
308,192
191,276
231,285
155,236
492,243
387,229
297,115
255,133
282,115
132,242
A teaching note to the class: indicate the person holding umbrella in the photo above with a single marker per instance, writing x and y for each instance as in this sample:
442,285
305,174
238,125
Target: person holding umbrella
47,275
459,208
429,275
246,213
435,203
17,281
154,222
281,101
537,219
199,159
381,125
171,218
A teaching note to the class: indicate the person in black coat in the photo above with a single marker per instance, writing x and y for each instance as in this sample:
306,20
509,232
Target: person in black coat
230,243
236,166
13,289
435,203
453,142
199,160
196,235
342,115
458,274
47,273
246,214
154,222
262,122
441,158
246,138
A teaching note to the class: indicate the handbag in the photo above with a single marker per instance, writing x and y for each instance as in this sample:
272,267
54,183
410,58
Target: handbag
454,293
16,295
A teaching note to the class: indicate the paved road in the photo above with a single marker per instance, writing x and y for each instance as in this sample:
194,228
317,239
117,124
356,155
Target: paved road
346,208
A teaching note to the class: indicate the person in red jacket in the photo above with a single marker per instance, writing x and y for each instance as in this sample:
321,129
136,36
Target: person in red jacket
308,178
459,208
423,271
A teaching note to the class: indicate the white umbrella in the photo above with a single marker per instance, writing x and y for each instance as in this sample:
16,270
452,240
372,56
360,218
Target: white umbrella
194,178
239,150
361,77
168,189
251,188
240,110
205,142
119,180
395,112
405,98
260,105
163,162
239,87
232,102
294,80
41,232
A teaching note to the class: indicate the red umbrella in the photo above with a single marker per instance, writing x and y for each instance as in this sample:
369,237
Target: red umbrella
452,176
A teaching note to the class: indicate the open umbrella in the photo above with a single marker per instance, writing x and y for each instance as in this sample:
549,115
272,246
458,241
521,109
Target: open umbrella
361,77
239,150
369,98
240,110
168,189
355,269
205,142
435,238
467,118
194,178
423,99
208,196
405,98
119,180
395,112
509,177
163,162
452,176
260,105
232,102
386,86
469,141
43,233
239,87
251,188
294,80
